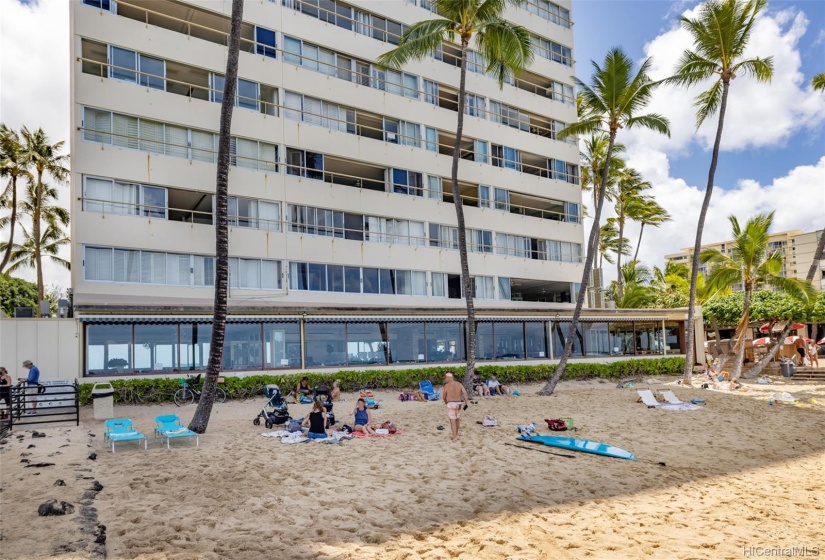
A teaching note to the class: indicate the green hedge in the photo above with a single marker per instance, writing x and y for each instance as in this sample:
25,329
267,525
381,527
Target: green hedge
161,390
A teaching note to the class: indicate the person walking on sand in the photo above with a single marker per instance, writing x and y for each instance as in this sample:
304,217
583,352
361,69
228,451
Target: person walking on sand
455,397
31,385
801,349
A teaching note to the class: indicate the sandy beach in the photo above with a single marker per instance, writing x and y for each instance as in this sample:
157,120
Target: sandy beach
739,473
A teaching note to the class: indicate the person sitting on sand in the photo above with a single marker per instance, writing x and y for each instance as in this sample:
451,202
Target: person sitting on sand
496,388
363,418
302,390
336,391
479,387
315,421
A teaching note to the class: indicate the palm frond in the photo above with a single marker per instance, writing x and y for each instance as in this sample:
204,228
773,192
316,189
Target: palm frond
505,47
581,128
652,121
707,103
759,68
417,42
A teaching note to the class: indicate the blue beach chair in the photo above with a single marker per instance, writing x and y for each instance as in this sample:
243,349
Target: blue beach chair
121,429
169,427
429,391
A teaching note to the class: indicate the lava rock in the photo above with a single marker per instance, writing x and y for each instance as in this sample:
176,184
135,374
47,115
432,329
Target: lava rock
93,456
38,434
37,465
97,487
59,482
31,446
52,508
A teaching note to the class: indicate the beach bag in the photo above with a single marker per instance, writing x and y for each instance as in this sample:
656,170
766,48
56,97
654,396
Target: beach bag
293,426
389,426
557,425
305,400
489,421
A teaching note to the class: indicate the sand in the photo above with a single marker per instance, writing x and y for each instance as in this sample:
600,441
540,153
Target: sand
739,473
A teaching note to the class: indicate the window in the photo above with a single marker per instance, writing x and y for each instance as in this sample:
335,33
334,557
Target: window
561,92
481,240
430,92
439,282
254,274
512,245
434,187
572,212
248,95
116,197
504,156
406,182
481,151
251,154
390,230
483,196
475,105
315,221
552,51
502,199
563,171
483,287
431,139
126,265
305,164
102,4
254,214
265,42
445,237
475,62
204,271
292,50
410,134
549,11
503,288
97,264
97,125
133,67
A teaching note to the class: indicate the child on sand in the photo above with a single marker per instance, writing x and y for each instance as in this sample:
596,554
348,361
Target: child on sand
363,418
336,391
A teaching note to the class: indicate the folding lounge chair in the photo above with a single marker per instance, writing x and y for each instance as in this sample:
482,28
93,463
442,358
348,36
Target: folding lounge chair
120,429
428,391
671,397
169,426
650,401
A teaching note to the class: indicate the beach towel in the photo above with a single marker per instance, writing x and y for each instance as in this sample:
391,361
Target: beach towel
363,435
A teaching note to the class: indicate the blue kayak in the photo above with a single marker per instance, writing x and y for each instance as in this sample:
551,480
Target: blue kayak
583,445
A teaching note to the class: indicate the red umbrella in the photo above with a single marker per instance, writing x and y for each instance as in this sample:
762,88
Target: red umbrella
762,341
792,339
821,341
794,327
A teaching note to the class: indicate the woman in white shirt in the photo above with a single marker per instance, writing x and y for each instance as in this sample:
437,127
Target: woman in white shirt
495,387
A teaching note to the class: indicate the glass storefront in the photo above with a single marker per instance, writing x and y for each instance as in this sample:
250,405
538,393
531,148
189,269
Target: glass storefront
171,347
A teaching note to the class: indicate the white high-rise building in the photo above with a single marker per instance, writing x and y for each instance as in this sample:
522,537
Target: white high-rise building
342,226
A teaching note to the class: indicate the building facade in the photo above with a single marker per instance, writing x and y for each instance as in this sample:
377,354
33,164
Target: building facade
797,248
343,243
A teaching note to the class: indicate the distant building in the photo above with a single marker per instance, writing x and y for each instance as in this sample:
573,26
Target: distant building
797,248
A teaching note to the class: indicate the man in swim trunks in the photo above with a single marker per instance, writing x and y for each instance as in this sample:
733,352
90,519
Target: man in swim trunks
455,397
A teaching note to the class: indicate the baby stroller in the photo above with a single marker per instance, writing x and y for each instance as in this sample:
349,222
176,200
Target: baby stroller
323,394
276,411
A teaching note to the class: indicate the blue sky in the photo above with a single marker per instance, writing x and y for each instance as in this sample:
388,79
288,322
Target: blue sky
602,24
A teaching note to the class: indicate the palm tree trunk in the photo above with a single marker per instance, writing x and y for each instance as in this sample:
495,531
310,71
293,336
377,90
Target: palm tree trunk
12,222
697,246
588,264
639,243
619,278
201,418
38,258
467,281
736,370
766,359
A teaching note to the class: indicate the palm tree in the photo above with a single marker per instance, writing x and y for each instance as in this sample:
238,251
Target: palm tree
613,100
24,255
507,50
720,35
648,212
818,82
43,158
626,196
201,418
609,242
13,166
750,265
637,292
592,163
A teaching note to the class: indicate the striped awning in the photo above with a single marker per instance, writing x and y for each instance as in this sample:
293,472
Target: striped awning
166,319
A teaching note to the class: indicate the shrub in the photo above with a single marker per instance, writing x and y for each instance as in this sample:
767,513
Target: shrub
158,390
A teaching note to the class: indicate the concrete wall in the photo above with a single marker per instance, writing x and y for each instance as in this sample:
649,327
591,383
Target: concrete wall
52,344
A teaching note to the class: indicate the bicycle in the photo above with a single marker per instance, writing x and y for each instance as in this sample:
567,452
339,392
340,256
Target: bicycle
189,391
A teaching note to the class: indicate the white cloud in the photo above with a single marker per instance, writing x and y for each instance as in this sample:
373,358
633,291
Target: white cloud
34,82
758,115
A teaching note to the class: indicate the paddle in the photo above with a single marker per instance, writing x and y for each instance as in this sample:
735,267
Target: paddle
541,451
